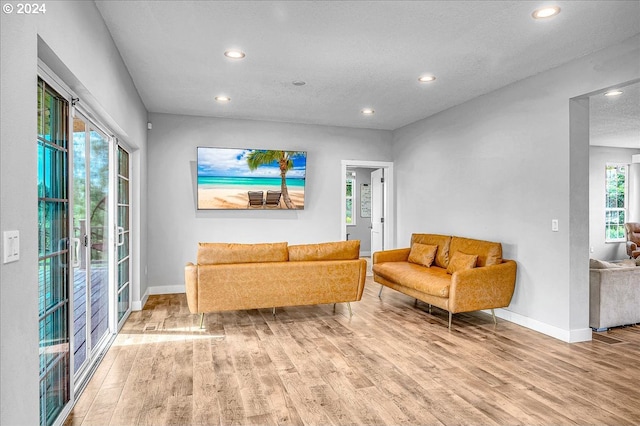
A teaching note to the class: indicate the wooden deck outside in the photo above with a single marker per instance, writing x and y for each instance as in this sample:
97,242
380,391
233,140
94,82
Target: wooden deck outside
99,310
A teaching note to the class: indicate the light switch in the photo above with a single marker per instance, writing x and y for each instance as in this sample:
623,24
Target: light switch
11,246
554,225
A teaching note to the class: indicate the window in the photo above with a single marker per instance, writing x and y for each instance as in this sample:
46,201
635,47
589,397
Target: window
350,196
615,202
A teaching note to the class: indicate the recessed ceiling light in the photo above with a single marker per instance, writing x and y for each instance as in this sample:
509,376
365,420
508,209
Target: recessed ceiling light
368,111
426,78
545,12
298,83
613,93
223,98
234,54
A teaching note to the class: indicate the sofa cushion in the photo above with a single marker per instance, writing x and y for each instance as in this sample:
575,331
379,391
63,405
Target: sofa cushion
601,264
221,253
489,253
442,241
339,250
434,280
461,261
422,254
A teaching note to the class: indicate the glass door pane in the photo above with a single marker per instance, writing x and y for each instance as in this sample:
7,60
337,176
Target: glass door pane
123,237
99,235
91,224
80,270
53,253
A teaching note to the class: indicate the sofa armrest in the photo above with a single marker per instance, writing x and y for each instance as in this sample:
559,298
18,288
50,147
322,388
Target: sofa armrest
191,284
395,255
631,247
486,287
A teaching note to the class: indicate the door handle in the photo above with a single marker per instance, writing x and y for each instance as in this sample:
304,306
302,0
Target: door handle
120,233
75,252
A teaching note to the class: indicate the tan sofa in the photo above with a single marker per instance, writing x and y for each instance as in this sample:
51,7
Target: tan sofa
231,276
463,274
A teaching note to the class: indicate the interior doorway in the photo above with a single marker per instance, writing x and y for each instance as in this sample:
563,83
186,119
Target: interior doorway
367,212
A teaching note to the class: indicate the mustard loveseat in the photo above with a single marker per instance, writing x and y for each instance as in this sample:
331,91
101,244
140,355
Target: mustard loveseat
453,273
230,276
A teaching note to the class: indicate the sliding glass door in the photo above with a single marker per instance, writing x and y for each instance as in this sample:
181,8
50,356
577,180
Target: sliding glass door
84,256
53,252
91,270
123,230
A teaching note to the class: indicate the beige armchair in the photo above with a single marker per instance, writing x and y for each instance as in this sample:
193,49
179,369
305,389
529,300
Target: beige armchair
633,239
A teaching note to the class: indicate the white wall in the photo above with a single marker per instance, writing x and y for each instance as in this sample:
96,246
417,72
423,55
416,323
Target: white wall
598,158
362,229
176,226
76,42
498,168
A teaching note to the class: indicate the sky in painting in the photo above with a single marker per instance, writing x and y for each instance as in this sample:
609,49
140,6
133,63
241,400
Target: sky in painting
233,162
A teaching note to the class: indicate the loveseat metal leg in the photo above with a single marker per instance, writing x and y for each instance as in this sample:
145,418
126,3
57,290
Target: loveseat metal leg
274,311
415,303
495,321
450,317
429,309
201,319
334,308
380,292
350,311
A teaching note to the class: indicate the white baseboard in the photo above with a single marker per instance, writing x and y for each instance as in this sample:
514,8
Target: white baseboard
569,336
167,289
137,305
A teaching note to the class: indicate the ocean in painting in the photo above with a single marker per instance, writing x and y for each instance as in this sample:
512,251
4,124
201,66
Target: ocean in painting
239,182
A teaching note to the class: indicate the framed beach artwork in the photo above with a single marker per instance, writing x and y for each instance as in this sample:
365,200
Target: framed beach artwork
230,178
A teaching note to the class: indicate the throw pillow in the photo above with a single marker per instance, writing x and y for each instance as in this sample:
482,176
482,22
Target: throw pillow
461,261
422,254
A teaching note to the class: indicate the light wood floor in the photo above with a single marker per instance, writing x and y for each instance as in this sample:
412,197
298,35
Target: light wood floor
391,363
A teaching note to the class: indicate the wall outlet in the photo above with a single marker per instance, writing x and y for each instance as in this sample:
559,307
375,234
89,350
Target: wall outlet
554,225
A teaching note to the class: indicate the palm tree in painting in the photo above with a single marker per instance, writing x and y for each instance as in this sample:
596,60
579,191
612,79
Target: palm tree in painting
284,159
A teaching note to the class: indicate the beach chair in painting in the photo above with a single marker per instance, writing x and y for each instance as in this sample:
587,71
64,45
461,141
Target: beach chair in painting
255,199
273,199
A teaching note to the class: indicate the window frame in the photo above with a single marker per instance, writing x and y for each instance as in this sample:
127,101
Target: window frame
608,210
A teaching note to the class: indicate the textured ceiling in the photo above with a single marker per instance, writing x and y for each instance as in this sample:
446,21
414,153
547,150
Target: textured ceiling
351,54
615,120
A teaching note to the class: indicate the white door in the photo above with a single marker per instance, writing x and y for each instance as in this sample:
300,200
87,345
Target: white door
377,210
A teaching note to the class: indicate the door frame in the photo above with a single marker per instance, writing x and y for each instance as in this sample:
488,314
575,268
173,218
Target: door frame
389,240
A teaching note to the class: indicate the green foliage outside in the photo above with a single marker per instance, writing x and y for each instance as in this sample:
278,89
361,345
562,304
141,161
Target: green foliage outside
615,202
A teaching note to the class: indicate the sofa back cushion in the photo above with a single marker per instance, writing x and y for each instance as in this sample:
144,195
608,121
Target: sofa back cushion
339,250
220,253
489,253
442,241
